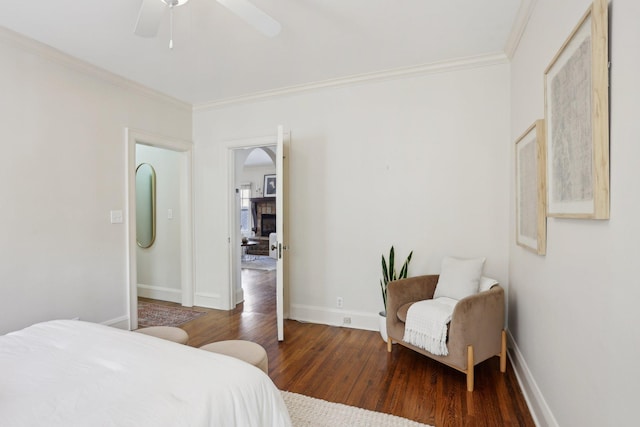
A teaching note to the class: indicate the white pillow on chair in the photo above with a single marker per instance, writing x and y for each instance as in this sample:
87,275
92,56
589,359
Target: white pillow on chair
459,278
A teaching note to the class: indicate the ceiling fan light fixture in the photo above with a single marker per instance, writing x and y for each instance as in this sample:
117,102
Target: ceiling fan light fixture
174,3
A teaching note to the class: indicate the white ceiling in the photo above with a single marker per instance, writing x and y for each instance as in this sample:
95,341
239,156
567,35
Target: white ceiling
217,56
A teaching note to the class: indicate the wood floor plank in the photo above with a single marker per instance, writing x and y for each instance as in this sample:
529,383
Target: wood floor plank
353,367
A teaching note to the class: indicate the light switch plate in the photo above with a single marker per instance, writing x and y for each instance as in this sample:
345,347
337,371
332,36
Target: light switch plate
116,217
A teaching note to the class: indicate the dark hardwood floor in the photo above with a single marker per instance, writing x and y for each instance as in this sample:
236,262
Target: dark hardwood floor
353,367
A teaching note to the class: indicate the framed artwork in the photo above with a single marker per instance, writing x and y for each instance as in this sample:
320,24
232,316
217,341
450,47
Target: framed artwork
577,120
270,186
531,191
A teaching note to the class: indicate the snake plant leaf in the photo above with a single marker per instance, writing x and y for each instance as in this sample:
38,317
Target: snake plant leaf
403,272
384,293
385,271
392,270
405,267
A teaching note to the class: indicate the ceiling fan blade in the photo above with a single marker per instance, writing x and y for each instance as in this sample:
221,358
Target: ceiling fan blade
149,18
253,16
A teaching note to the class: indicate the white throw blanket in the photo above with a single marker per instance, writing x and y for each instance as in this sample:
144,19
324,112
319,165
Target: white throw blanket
426,325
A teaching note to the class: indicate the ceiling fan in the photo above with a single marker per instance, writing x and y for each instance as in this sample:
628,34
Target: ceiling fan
151,12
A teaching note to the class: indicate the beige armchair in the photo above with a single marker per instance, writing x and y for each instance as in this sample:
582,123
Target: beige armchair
475,332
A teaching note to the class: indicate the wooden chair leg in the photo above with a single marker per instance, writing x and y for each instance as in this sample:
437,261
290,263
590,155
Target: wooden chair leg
389,344
503,352
470,368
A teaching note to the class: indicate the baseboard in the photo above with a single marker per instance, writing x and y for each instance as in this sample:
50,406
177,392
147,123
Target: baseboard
540,411
121,322
333,317
160,293
209,301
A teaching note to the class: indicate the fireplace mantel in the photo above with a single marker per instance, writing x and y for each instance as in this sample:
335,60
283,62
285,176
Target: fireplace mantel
263,200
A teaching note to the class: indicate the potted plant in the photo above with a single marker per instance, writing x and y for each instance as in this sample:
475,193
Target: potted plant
388,275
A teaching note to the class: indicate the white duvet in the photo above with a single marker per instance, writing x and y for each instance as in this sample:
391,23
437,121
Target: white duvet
72,373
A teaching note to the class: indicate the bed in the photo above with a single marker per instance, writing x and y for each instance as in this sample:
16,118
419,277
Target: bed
74,373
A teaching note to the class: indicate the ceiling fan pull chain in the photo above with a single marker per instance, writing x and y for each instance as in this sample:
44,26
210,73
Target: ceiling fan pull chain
171,26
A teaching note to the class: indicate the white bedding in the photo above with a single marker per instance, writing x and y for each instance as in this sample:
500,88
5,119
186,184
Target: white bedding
73,373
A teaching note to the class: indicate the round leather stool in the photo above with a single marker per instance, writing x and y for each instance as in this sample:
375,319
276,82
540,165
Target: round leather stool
166,333
247,351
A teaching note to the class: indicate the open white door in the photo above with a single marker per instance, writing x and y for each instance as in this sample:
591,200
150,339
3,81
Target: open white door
281,245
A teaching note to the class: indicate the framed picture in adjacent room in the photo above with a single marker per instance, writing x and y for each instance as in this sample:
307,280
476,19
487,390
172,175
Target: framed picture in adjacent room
270,185
577,120
531,192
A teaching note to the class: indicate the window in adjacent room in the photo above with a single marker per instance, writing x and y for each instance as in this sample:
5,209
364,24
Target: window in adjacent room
245,208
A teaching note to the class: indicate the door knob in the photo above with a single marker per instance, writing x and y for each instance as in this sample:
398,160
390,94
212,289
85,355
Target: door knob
274,247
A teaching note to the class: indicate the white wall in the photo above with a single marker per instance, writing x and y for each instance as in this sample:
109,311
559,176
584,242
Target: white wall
62,170
573,312
158,269
420,163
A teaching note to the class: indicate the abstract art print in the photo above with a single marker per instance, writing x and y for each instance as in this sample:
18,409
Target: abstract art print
577,121
531,218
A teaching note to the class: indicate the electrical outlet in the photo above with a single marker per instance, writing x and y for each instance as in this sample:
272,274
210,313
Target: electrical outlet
339,302
346,320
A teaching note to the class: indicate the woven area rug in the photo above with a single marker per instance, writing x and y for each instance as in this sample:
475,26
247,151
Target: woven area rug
259,263
150,314
307,411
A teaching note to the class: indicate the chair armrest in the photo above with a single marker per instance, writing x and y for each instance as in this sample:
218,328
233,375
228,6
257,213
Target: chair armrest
478,320
401,292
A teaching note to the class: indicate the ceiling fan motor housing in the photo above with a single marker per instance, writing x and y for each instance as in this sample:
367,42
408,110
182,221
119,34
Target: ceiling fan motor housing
173,3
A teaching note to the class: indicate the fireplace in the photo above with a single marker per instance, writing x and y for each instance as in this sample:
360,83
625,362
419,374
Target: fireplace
267,224
263,212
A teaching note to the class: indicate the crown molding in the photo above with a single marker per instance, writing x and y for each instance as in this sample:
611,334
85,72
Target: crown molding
54,55
519,25
397,73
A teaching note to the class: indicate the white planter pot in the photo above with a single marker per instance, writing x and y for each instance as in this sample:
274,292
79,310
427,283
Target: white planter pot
383,325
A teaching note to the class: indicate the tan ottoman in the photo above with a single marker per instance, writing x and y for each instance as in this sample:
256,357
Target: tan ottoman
248,351
166,333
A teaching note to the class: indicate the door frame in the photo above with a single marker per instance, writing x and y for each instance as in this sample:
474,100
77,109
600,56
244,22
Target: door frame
233,232
185,149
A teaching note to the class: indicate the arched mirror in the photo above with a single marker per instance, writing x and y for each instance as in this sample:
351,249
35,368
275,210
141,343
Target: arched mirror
145,205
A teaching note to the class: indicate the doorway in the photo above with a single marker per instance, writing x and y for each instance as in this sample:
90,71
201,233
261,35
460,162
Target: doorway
281,140
158,216
181,154
255,217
